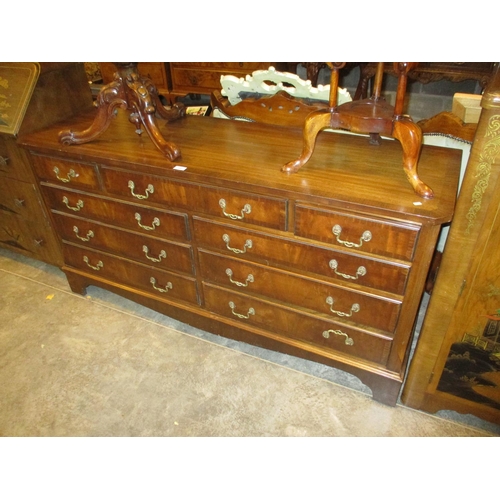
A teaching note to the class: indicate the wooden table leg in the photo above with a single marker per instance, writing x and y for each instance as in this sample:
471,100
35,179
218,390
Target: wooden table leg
314,124
409,135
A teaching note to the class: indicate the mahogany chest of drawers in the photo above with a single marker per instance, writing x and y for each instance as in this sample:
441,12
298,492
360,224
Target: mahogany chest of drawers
328,264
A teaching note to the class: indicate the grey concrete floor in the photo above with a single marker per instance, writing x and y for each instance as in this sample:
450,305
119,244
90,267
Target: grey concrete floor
100,365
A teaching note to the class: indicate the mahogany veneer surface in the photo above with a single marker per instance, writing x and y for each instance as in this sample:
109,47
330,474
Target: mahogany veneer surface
224,240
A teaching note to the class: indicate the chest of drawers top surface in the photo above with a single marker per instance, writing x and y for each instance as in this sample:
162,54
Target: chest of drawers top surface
249,156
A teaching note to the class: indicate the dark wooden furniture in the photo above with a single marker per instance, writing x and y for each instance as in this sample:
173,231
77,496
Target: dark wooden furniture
427,72
456,365
58,92
137,94
221,239
372,116
174,80
157,72
286,110
204,77
313,69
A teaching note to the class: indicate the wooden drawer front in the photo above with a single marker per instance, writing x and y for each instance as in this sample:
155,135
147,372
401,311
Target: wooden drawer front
359,233
149,189
263,211
13,162
66,172
150,251
243,66
327,263
158,223
154,71
33,238
124,272
339,303
6,164
4,155
206,76
287,322
251,209
19,198
196,79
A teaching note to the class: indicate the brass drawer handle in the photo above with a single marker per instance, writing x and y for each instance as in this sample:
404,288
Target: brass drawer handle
90,234
348,340
249,279
95,268
168,286
245,210
155,223
251,311
354,309
77,208
71,175
149,190
248,244
366,236
360,272
162,254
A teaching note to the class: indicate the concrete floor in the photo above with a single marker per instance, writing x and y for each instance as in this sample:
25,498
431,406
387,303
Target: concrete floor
103,366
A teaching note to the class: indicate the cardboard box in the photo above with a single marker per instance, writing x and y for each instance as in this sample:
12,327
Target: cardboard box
467,107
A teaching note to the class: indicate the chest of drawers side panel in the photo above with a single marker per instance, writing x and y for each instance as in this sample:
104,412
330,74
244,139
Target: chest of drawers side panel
25,223
416,283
